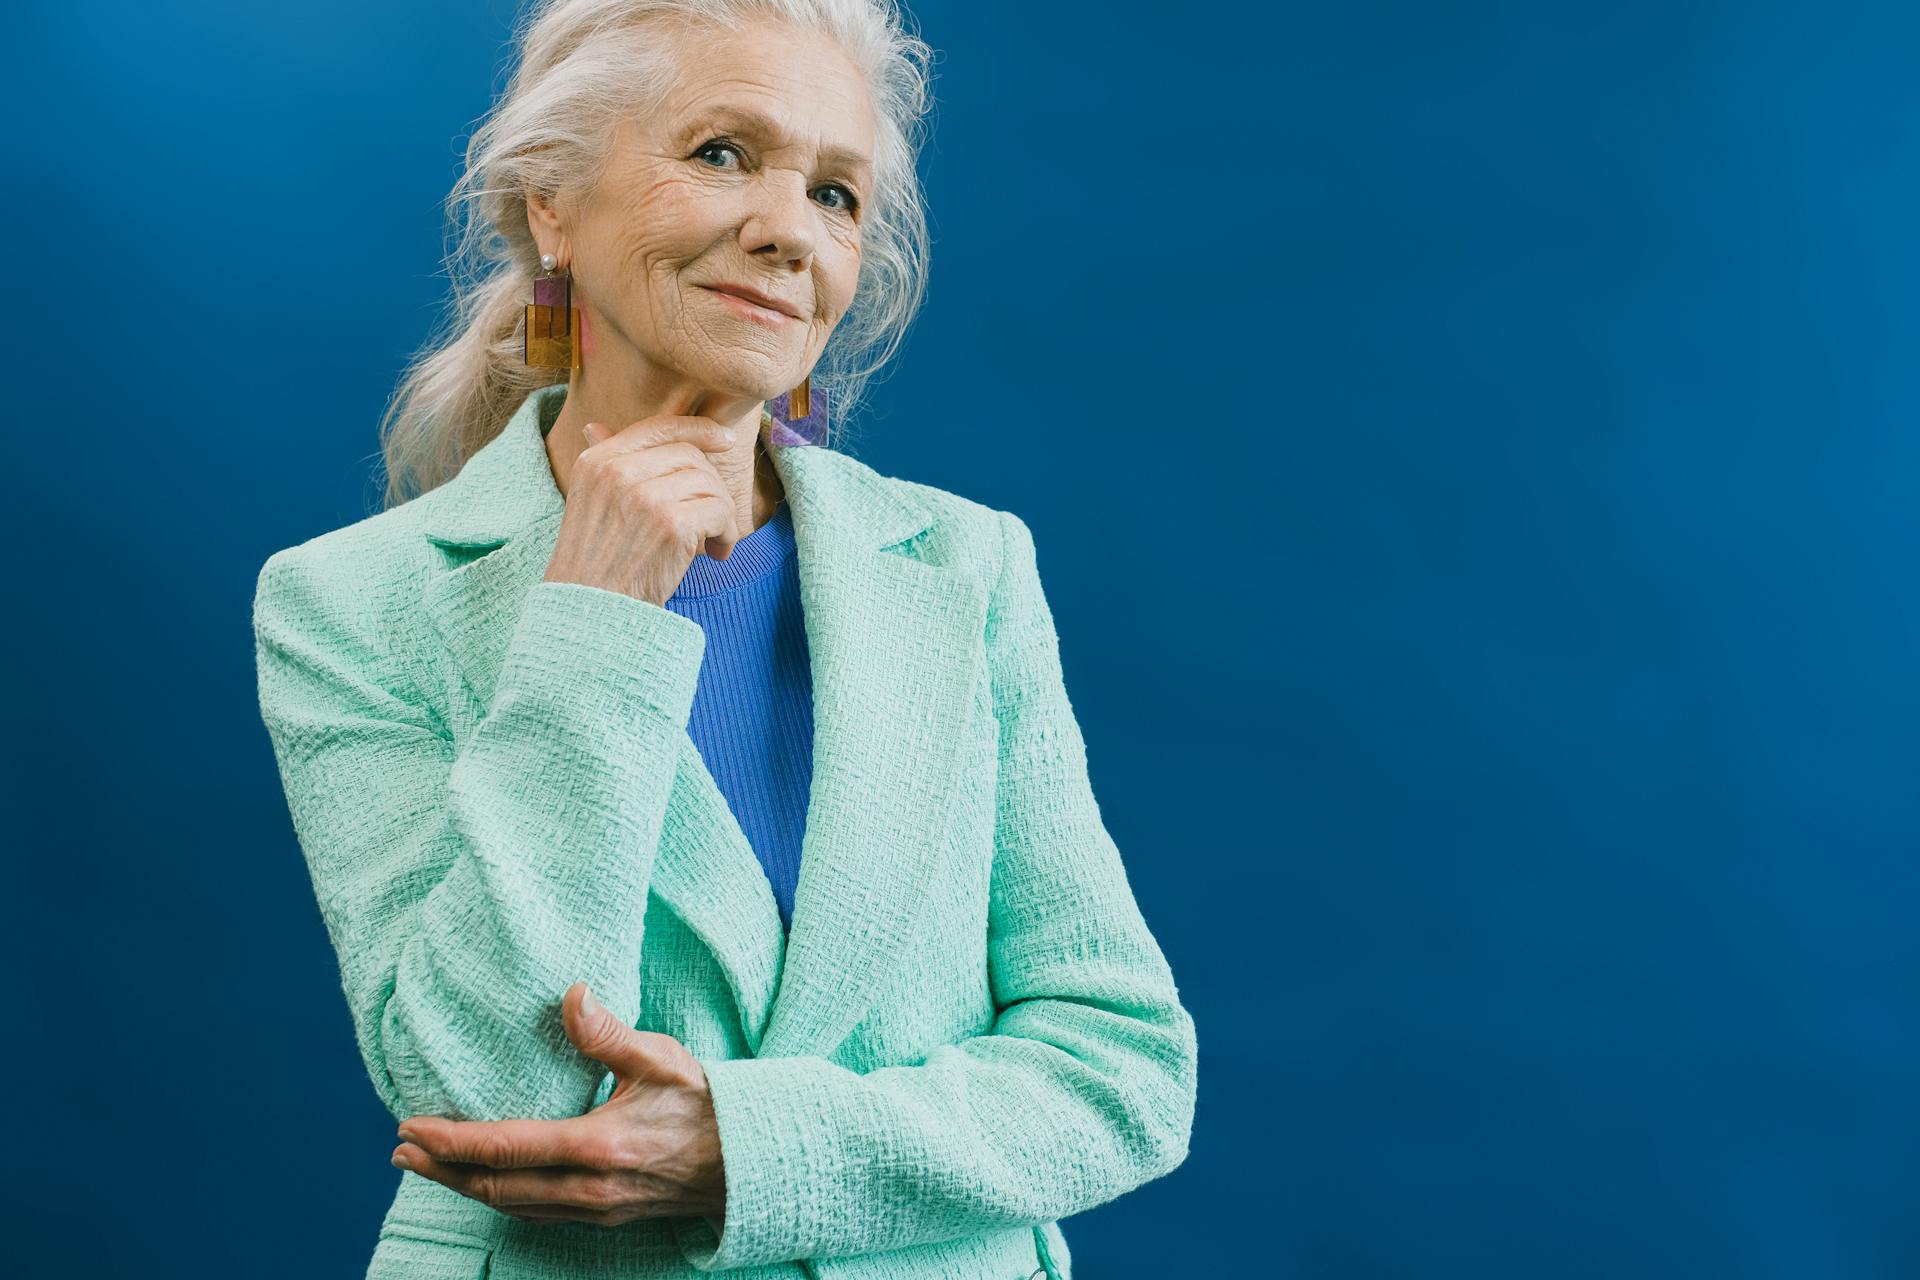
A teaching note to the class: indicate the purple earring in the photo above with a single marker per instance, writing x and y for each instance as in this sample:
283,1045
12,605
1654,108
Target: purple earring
800,415
551,338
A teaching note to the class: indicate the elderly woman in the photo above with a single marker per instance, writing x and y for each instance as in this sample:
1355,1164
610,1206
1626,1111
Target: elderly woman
698,816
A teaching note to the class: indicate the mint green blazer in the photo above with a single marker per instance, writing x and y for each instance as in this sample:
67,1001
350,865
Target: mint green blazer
970,1033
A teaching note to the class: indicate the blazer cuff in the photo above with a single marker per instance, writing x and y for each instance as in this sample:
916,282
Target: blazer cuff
777,1122
607,649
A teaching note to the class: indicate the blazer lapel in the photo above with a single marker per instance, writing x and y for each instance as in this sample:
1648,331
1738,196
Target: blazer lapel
894,647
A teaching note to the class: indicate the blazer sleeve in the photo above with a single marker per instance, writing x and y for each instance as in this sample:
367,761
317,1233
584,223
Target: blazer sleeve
465,890
1082,1090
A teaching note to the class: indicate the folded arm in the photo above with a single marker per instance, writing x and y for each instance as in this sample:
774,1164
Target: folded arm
465,890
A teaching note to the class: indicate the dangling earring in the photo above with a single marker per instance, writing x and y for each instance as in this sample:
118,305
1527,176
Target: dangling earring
552,336
800,415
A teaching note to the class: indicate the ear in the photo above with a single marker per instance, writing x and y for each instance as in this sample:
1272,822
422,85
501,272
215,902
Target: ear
543,221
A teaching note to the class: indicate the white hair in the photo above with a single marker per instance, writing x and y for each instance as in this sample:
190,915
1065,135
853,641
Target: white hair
582,66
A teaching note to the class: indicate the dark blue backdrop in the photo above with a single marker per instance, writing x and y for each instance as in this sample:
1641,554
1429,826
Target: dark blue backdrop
1471,451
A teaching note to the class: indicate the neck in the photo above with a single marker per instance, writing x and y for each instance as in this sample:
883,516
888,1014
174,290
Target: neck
615,402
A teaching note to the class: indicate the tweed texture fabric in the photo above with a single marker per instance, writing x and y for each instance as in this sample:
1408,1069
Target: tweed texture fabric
968,1034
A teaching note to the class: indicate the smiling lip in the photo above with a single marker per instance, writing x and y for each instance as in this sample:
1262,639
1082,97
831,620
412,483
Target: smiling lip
758,298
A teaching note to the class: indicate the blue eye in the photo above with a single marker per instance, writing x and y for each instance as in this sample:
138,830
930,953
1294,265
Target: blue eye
724,146
853,201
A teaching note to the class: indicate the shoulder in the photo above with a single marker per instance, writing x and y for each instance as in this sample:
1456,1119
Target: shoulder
996,545
376,549
995,541
355,586
962,530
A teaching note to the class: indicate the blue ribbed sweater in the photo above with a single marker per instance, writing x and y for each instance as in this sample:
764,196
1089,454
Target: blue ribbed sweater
752,713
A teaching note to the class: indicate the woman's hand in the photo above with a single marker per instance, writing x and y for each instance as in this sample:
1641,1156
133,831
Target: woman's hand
642,502
652,1150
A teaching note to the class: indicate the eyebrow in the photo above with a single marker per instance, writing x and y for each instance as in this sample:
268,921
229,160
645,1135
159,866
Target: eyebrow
766,126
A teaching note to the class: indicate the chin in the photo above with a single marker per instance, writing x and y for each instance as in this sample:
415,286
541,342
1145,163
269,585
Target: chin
745,389
752,383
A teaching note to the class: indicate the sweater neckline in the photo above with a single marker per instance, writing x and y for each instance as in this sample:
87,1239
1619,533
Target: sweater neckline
753,557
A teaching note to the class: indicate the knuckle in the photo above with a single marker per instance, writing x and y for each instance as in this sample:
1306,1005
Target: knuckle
604,1036
638,510
599,1195
598,1152
591,467
676,1061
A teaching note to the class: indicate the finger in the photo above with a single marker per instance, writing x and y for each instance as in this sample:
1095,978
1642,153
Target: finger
629,1051
593,1028
580,1189
579,1195
703,433
472,1180
502,1144
720,544
468,1179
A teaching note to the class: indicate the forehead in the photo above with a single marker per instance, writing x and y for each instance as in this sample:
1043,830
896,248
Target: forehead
782,86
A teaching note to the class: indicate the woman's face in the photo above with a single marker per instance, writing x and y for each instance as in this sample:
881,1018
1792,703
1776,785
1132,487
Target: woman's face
755,174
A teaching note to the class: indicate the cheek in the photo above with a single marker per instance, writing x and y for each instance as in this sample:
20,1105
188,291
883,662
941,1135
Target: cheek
843,281
667,224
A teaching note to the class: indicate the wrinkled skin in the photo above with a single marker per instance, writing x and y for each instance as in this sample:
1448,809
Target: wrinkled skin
695,196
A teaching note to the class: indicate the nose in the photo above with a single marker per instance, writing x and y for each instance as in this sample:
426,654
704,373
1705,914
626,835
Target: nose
780,226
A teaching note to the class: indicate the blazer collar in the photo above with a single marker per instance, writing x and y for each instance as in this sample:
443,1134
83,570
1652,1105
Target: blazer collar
893,643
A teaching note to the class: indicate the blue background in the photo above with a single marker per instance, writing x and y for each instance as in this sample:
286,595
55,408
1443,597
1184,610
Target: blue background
1471,452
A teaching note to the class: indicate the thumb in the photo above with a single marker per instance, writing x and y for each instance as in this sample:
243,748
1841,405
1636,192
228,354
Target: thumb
597,1033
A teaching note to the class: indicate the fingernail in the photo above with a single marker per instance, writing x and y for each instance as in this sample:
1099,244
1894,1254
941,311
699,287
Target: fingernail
588,1005
731,435
400,1162
592,432
408,1135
